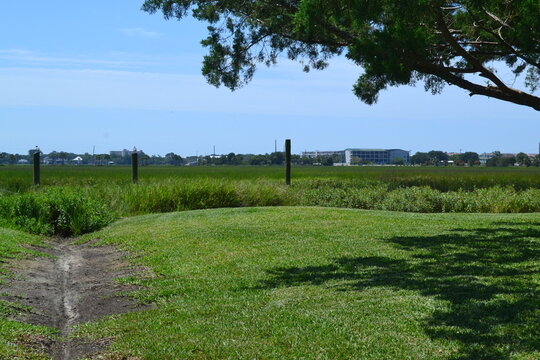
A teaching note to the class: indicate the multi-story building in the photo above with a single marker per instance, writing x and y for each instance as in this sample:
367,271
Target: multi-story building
122,153
376,156
358,156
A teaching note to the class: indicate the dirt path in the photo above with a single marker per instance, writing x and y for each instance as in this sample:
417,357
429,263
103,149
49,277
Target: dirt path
77,284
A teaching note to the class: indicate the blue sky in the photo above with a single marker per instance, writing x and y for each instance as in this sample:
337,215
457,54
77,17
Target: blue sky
78,74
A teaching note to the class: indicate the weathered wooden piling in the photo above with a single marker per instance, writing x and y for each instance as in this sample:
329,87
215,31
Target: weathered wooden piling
134,167
288,162
37,170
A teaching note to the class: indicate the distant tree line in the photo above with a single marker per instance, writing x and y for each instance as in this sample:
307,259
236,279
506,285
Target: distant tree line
67,158
436,157
275,158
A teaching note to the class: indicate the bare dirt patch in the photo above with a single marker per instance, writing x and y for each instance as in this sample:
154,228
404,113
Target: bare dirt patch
76,284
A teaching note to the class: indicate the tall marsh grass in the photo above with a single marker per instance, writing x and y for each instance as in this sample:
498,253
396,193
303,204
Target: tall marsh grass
70,210
78,203
178,195
497,199
19,178
54,211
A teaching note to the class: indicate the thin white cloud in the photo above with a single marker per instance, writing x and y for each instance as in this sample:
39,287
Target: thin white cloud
95,83
139,32
15,52
112,60
166,91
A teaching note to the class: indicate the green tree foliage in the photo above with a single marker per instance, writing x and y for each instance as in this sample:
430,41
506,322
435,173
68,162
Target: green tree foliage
535,161
420,158
434,157
63,155
523,159
395,42
173,159
470,158
501,161
437,157
277,158
258,160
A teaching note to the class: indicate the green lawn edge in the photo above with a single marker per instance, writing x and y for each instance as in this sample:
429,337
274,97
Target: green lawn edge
304,282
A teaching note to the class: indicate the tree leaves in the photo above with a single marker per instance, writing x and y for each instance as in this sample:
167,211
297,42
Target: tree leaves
395,42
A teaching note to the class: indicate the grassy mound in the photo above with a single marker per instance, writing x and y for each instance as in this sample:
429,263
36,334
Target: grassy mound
320,283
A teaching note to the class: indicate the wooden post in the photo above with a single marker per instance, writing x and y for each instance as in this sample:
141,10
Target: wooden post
37,174
288,162
134,167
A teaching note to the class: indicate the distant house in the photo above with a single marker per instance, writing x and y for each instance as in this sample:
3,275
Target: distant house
23,162
77,161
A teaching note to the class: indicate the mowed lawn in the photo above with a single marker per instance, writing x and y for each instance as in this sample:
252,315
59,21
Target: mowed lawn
324,283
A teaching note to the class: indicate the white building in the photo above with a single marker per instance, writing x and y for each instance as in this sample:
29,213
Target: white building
376,156
371,156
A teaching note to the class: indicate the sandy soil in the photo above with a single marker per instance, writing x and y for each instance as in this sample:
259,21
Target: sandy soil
76,285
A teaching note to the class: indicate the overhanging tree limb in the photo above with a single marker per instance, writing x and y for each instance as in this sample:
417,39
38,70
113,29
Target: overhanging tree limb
394,42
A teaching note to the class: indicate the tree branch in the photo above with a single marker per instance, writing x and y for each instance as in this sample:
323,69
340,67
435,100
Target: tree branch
497,19
498,35
441,24
517,97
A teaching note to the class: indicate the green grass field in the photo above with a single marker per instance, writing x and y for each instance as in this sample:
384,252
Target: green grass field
299,283
296,282
17,178
320,283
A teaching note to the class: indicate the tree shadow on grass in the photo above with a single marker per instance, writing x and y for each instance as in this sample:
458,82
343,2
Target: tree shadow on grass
490,278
